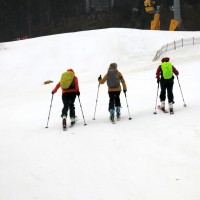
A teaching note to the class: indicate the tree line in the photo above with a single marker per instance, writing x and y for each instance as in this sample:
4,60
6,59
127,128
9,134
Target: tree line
33,18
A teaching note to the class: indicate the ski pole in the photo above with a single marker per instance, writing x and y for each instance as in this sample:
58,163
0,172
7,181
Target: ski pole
96,101
156,99
127,106
181,92
49,111
82,111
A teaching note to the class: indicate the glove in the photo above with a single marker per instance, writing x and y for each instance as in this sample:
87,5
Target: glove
124,91
78,93
53,92
158,80
99,78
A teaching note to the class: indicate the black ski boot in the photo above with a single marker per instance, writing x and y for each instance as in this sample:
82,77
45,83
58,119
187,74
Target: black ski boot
171,111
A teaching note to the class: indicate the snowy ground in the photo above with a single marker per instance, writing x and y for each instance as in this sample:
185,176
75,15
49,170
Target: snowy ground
150,157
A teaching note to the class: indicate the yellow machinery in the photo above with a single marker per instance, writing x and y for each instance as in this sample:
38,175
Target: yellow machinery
155,23
151,8
173,25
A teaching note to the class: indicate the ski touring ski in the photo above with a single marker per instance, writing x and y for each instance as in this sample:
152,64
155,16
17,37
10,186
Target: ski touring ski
118,117
64,124
162,109
115,119
112,119
72,124
171,112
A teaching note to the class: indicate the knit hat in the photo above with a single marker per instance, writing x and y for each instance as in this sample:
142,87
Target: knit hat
113,66
70,70
166,59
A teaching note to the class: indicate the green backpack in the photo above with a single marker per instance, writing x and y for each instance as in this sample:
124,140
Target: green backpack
66,79
167,70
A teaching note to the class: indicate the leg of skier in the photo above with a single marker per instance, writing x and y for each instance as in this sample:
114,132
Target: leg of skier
111,105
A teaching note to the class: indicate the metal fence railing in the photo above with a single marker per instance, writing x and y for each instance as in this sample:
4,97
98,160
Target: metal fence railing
177,44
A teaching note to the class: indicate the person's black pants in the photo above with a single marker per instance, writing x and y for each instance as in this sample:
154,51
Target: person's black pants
167,85
68,99
114,100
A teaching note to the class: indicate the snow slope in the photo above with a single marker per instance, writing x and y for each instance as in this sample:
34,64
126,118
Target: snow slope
149,157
